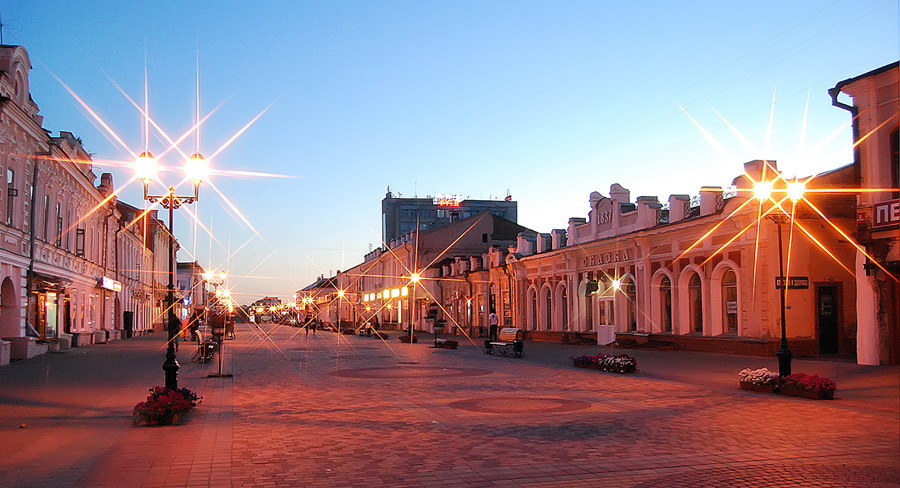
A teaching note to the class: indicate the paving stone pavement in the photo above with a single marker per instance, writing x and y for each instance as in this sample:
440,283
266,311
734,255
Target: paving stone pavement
336,411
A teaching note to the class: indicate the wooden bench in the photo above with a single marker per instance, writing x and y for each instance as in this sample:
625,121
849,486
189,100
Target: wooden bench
509,343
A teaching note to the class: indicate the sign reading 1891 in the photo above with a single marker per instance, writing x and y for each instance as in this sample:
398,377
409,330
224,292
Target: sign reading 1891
794,282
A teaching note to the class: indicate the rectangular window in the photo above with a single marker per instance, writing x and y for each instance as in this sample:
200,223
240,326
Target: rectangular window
46,218
59,225
11,193
79,242
68,234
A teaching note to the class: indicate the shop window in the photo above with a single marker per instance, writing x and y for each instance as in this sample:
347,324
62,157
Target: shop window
695,297
729,299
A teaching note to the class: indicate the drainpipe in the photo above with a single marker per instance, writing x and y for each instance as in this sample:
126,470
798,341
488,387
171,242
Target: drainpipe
29,316
854,112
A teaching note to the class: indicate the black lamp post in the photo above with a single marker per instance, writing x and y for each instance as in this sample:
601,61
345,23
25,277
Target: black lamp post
784,353
411,301
794,191
146,165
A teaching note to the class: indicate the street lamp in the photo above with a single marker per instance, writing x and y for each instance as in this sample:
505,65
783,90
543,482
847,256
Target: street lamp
414,280
794,191
146,166
340,295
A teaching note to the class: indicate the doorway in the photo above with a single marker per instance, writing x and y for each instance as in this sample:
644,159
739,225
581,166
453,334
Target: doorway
827,312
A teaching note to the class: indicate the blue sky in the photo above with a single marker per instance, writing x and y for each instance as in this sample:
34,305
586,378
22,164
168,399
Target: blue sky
546,100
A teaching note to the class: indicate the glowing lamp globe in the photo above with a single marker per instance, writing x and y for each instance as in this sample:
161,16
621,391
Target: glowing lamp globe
196,168
145,167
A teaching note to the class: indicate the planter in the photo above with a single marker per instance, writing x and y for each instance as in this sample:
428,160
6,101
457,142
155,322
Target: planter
611,364
170,419
765,388
811,394
406,339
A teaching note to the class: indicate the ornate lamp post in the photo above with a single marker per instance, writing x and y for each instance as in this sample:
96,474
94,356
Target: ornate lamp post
413,280
784,353
795,190
195,168
340,296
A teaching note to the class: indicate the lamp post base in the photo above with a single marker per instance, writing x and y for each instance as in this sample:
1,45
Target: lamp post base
784,356
171,368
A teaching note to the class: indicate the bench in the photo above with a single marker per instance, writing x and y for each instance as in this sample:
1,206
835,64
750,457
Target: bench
509,343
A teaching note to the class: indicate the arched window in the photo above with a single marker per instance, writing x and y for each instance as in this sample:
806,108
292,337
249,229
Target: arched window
695,302
548,302
533,322
630,291
665,304
730,302
564,303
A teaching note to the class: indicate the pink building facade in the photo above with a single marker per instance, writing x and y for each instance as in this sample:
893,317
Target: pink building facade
71,270
876,125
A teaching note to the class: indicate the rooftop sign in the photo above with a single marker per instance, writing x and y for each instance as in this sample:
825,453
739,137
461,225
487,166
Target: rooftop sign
442,200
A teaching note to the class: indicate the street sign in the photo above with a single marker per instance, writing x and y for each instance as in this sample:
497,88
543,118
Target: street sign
794,282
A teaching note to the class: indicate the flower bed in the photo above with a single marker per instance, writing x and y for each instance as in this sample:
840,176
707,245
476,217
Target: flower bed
446,343
380,335
165,406
618,363
798,385
406,339
758,379
808,386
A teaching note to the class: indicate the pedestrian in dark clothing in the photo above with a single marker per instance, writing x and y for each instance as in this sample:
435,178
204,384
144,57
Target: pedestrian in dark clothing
174,325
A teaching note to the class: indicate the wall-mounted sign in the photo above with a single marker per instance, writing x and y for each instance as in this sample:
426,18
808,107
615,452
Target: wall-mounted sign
608,257
109,284
886,214
794,282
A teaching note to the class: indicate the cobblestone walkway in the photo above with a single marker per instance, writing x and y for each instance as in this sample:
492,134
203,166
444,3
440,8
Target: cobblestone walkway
353,411
337,411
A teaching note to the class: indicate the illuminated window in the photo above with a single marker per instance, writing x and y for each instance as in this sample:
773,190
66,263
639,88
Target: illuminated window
386,294
395,293
404,291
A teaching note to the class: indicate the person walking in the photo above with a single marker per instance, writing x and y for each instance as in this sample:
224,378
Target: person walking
174,323
494,321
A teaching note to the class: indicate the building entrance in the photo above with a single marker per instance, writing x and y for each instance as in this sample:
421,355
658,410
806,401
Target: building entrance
826,306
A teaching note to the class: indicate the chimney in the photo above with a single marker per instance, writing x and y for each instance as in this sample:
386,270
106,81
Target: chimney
525,243
754,169
558,238
709,195
648,210
678,207
543,242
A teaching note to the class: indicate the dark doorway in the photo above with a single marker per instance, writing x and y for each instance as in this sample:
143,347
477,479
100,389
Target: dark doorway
128,320
67,318
827,310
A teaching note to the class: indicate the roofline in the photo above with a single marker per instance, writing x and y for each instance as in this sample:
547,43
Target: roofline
876,71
